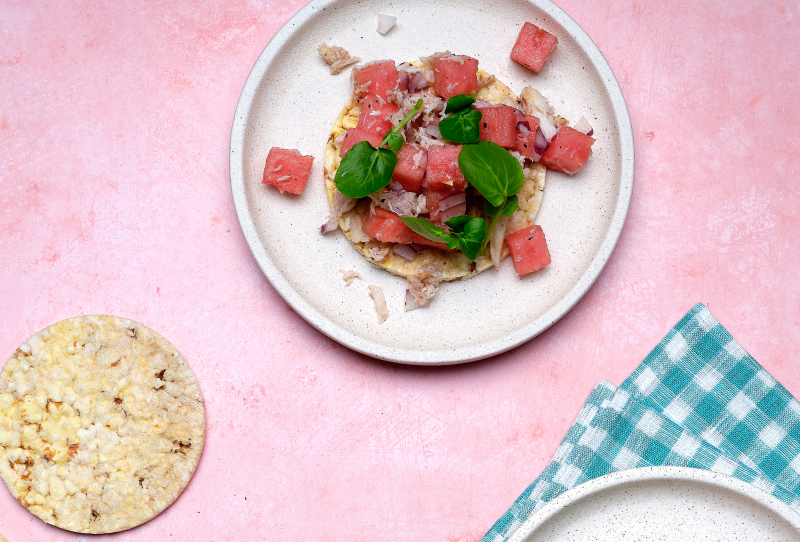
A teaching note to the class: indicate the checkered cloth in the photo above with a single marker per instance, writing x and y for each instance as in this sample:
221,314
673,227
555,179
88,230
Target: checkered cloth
698,400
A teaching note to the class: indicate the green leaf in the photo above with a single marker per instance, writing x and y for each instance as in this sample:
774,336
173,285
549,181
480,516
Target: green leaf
491,170
472,239
394,141
452,243
426,229
364,170
457,223
510,206
462,126
490,209
458,102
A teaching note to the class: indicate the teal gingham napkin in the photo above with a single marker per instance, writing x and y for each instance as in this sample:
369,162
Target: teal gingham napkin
698,400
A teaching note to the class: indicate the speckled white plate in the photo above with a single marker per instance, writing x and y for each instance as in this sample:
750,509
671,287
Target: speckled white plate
662,504
290,100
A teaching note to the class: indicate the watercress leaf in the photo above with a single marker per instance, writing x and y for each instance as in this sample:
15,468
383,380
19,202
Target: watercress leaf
458,102
490,209
491,170
426,229
510,206
452,243
394,141
364,170
462,126
457,223
472,238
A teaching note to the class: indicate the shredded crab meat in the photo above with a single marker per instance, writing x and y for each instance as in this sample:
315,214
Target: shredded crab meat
377,251
428,61
496,240
357,234
349,276
376,293
423,284
537,106
336,57
399,202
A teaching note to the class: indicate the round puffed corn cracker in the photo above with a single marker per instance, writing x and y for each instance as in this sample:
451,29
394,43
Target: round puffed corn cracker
454,265
101,424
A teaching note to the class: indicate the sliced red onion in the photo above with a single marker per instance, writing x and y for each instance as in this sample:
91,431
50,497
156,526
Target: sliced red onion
417,82
385,23
402,80
411,303
459,198
524,124
405,251
433,131
458,210
329,226
541,144
590,133
583,126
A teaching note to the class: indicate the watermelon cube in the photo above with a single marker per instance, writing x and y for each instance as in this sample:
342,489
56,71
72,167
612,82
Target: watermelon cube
386,226
526,136
376,79
356,135
443,172
433,195
410,168
533,46
499,125
528,249
287,169
374,115
568,150
455,74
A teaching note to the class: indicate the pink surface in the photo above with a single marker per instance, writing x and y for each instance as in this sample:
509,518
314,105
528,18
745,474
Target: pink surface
114,130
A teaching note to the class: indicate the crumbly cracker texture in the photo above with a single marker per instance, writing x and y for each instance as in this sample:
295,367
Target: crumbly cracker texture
101,424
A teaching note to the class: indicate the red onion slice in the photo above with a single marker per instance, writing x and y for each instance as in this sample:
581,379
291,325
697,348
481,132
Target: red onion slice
433,131
541,144
405,251
402,80
459,198
329,226
417,82
458,210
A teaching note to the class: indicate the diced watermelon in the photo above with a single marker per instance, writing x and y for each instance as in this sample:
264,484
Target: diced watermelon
499,125
356,135
374,113
443,171
420,240
455,75
386,226
568,150
287,169
407,172
381,76
528,249
533,46
526,139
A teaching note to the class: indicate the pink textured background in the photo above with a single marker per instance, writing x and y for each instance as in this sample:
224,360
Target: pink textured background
114,128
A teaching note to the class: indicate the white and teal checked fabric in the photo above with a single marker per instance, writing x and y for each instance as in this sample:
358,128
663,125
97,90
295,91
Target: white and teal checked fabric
698,400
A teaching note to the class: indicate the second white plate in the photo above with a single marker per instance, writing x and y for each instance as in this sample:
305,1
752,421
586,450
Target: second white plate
290,100
662,504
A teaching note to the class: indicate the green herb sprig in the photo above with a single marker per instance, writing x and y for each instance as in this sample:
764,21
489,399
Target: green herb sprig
463,123
466,233
365,169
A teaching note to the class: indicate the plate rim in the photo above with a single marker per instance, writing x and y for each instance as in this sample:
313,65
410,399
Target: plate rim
421,357
646,474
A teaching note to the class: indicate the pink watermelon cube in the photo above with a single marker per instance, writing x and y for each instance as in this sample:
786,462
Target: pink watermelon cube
499,125
376,79
374,115
356,135
455,74
533,46
386,226
410,169
568,151
443,171
287,169
528,249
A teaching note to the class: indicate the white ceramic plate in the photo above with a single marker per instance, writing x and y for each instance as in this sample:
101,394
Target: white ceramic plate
290,100
662,504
